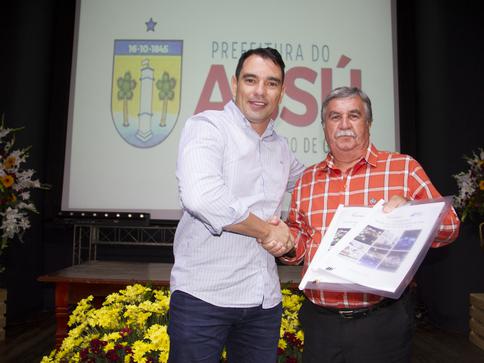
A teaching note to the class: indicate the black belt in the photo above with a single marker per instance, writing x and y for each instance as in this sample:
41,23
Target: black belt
355,313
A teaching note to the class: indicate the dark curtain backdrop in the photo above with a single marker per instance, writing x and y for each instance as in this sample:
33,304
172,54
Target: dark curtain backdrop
440,58
36,46
441,76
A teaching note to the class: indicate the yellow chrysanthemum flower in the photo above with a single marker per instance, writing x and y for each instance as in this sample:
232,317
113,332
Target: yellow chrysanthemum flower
105,318
158,336
47,359
152,307
80,312
163,357
135,292
282,344
111,336
112,298
140,348
108,346
135,316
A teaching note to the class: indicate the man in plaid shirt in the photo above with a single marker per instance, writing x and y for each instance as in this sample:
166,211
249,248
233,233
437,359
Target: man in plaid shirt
353,326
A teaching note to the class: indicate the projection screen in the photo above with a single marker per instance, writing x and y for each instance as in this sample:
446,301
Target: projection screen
141,68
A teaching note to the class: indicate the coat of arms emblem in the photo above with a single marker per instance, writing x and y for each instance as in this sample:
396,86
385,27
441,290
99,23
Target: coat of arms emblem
146,88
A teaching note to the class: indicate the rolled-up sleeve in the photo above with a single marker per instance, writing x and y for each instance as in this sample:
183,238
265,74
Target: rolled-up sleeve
199,171
298,225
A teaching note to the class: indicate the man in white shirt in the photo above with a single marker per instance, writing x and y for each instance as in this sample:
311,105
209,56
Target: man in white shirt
232,170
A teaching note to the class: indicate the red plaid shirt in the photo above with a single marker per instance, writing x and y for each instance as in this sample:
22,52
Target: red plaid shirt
322,187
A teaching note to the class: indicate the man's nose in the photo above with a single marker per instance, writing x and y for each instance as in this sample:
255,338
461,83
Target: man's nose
345,122
260,88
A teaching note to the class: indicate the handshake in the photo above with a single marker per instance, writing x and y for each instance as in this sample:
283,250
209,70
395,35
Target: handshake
278,240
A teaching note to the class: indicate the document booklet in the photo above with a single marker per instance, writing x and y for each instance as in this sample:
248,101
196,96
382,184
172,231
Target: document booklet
368,250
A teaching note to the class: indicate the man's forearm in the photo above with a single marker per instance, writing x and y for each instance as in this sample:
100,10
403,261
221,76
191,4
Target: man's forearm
252,226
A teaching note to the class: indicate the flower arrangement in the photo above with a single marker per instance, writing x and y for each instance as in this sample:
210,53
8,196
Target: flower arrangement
131,326
470,200
291,342
15,186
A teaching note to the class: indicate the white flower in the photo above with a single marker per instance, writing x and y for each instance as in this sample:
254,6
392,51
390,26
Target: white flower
28,206
4,132
470,197
14,222
24,181
467,186
15,185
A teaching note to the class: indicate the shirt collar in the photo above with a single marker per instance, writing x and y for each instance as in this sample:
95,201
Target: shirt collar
371,157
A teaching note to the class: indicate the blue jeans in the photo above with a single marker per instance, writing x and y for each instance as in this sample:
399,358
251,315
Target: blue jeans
199,331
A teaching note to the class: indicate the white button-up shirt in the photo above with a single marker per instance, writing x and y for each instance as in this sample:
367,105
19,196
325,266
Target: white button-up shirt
225,171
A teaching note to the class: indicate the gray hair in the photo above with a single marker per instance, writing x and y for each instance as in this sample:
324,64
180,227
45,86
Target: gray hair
347,92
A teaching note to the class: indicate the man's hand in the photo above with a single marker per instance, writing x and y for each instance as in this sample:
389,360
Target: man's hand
279,240
273,235
394,202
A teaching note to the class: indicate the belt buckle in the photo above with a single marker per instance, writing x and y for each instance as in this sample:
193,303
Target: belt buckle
346,314
353,314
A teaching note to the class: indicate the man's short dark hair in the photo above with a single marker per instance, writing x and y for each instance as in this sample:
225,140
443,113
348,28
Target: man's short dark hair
347,92
266,53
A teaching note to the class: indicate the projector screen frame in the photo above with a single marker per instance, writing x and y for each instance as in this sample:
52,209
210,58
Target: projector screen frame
174,213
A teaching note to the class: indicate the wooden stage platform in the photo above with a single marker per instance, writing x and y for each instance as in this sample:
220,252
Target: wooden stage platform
100,278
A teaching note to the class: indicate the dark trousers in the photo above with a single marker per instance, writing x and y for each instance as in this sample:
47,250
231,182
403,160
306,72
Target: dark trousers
384,335
199,331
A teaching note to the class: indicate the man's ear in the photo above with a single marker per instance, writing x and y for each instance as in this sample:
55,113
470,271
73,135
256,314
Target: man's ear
283,91
234,87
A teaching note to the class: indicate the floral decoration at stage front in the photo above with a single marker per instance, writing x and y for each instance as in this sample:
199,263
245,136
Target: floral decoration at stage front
15,186
131,326
291,343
